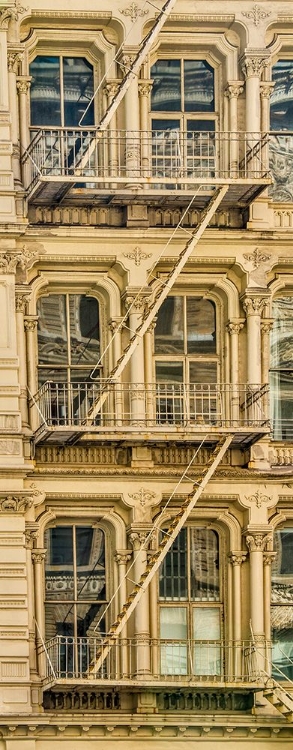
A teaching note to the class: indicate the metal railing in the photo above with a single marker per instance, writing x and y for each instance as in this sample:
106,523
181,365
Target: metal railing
158,158
168,660
156,405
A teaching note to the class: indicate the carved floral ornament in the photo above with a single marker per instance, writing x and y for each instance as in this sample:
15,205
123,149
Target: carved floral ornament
254,305
20,502
258,542
133,12
253,65
259,499
23,258
138,255
8,14
256,14
257,257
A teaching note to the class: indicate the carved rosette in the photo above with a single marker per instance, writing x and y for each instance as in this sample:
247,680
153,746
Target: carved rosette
258,542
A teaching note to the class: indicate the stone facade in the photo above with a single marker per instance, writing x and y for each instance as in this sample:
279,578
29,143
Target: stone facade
91,225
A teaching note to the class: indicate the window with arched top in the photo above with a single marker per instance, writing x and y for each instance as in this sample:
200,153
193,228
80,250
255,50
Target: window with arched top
190,595
187,360
68,337
282,605
281,368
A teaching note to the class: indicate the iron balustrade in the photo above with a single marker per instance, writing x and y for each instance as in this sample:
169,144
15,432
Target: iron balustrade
167,405
158,158
167,660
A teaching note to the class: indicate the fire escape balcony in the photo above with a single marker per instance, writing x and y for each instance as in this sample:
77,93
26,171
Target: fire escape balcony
68,660
62,412
77,166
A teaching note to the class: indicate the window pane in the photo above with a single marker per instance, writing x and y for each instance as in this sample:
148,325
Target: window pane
78,89
173,572
282,637
282,334
203,372
59,544
206,627
52,331
166,90
169,372
45,91
84,329
173,626
90,563
281,397
198,86
169,331
281,96
204,564
201,326
166,149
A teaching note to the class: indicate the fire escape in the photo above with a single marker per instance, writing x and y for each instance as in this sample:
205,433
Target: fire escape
92,165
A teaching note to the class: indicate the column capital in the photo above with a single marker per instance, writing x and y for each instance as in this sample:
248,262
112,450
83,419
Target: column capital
22,298
254,304
136,299
266,325
31,322
14,58
235,325
269,558
253,62
111,87
122,556
38,555
31,533
23,84
234,89
237,558
8,14
139,537
126,59
115,323
266,88
145,86
258,541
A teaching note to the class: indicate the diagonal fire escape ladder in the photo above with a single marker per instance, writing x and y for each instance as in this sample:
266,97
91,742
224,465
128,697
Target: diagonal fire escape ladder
279,698
127,80
157,558
159,297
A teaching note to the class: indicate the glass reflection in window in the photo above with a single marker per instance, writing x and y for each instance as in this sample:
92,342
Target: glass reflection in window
182,85
282,605
281,146
281,370
61,90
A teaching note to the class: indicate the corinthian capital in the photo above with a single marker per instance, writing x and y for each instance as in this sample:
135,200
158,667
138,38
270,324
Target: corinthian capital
254,305
258,542
253,64
234,89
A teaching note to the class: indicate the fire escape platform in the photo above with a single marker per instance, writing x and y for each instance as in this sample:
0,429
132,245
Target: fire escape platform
60,191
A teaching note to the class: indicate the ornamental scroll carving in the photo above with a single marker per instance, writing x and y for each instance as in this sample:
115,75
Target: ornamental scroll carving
258,542
8,14
24,258
15,504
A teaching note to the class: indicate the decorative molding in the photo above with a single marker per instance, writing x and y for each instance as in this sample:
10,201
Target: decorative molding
258,498
258,542
133,12
138,255
15,504
23,258
8,14
257,14
257,257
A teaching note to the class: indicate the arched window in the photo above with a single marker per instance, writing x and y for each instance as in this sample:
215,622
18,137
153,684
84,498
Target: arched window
75,596
186,360
61,91
190,604
68,337
281,144
183,117
282,605
281,368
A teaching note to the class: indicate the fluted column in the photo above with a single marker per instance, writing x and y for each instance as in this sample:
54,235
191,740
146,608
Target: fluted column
236,559
31,531
253,64
122,557
22,296
257,543
141,612
38,557
232,92
136,306
14,57
253,306
132,123
30,327
144,90
113,145
234,327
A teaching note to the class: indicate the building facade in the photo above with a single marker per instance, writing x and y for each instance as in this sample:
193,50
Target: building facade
146,284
